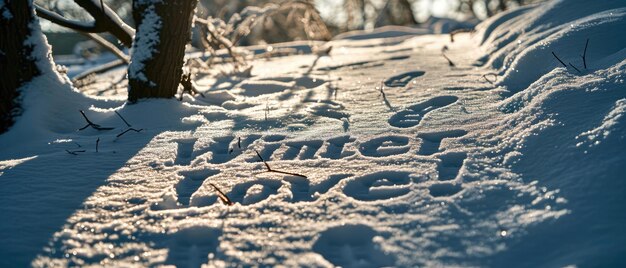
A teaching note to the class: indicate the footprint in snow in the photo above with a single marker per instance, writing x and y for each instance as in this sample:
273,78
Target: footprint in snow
255,191
432,140
188,246
352,245
413,115
329,110
277,84
301,149
382,185
402,79
191,182
184,151
450,165
444,189
385,146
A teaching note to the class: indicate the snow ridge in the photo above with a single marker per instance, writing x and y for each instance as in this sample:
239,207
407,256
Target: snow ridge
609,124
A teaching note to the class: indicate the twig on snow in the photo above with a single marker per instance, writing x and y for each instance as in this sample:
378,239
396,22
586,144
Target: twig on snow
223,197
584,55
75,152
269,169
97,143
382,92
557,58
495,77
130,129
457,31
570,64
91,124
125,122
448,59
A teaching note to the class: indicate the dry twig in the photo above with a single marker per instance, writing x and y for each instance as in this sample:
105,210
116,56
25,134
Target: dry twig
269,169
584,55
495,77
448,59
223,197
75,152
557,58
130,129
91,124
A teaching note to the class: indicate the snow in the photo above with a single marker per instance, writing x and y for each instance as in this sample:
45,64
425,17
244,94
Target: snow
609,123
437,168
145,44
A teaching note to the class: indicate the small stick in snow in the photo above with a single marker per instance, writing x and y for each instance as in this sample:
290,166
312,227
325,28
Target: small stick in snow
495,77
75,152
91,124
570,64
77,144
448,59
263,160
382,85
223,197
457,31
130,129
584,55
557,58
382,91
269,169
97,143
188,86
126,122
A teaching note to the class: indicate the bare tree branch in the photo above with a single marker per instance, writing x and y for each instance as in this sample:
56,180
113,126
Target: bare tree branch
108,46
105,20
98,69
88,27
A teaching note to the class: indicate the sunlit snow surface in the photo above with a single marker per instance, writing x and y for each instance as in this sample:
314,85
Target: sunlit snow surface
444,168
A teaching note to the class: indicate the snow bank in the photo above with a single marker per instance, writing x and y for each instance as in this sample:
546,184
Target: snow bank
568,121
520,43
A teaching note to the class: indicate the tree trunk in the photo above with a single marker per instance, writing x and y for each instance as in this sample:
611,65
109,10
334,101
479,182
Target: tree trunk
17,64
163,31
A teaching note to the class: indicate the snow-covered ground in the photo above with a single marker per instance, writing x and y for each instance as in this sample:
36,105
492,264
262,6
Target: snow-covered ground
505,159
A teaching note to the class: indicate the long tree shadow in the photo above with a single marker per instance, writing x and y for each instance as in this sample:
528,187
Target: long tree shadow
38,196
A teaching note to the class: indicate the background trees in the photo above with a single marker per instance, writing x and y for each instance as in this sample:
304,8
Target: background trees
164,28
158,47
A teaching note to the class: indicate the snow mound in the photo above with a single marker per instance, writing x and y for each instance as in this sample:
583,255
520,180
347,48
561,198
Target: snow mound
523,51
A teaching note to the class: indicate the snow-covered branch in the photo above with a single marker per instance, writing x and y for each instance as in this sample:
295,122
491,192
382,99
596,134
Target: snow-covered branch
88,27
105,20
